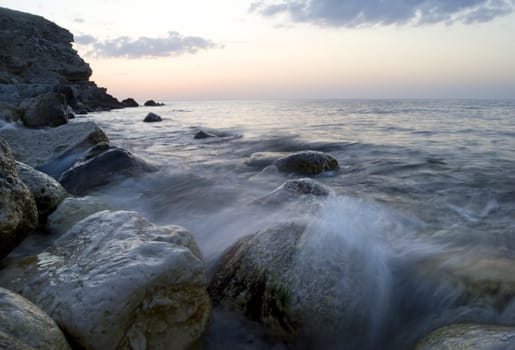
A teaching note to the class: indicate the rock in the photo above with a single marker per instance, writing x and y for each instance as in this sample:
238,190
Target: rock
295,188
307,162
470,337
24,321
37,57
263,159
152,103
72,210
45,110
130,102
10,113
203,135
10,343
115,281
151,117
53,150
18,212
102,164
298,285
47,192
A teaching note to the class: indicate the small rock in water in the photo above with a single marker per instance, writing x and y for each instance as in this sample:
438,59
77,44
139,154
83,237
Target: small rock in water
130,102
152,117
152,103
203,135
307,162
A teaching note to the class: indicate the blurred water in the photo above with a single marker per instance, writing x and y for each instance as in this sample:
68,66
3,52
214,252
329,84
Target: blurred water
420,181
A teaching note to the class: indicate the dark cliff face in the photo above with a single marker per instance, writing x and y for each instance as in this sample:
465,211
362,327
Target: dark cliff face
36,56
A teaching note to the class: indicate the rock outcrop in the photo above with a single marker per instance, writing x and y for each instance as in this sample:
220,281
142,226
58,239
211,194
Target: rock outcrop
130,102
28,324
470,337
102,164
152,117
152,103
18,212
37,57
53,150
115,281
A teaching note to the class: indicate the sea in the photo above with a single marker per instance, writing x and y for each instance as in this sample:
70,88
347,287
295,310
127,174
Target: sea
423,186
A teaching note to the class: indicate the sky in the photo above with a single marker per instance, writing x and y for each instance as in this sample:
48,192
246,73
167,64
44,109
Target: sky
260,49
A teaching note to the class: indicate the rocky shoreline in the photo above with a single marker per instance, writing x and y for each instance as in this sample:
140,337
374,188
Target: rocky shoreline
113,280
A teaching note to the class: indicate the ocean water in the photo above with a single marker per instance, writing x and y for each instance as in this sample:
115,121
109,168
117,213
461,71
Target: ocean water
423,186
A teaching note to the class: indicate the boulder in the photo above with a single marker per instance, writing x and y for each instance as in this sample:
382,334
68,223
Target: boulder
307,163
151,117
47,192
10,113
152,103
101,165
115,281
10,343
45,110
53,150
296,188
470,337
72,210
18,212
203,135
22,320
130,102
298,285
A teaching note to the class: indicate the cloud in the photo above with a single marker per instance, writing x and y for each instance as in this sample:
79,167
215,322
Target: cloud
354,13
173,44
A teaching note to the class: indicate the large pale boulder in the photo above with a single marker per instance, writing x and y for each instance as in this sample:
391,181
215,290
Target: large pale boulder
47,192
53,150
469,337
115,281
307,163
72,210
47,109
299,285
22,320
102,164
18,212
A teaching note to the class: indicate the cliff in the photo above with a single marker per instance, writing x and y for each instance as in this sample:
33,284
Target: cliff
36,56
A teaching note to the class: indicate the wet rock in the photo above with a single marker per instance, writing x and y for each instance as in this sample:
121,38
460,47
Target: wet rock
115,281
47,192
45,110
10,113
151,117
470,337
101,165
130,102
10,343
296,188
72,210
203,135
18,212
152,103
28,324
53,150
307,163
296,284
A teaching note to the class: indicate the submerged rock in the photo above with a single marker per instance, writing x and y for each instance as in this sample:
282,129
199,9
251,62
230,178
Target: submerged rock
469,337
18,212
130,102
307,162
101,165
203,135
48,109
72,210
152,117
47,192
115,281
28,324
10,113
152,103
53,150
296,188
263,159
297,285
